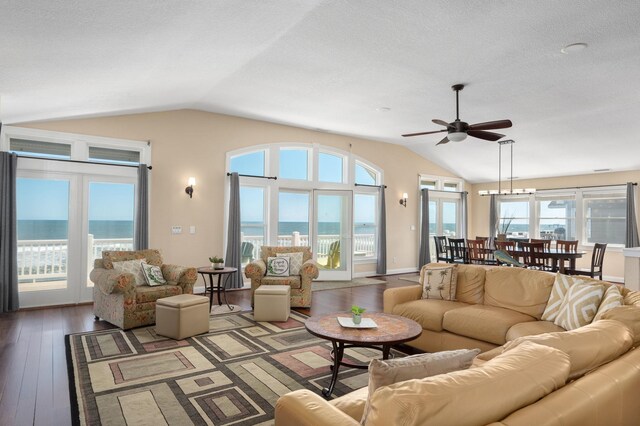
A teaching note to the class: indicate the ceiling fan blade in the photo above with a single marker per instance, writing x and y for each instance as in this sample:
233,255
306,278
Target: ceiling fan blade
423,133
491,125
445,140
440,122
488,136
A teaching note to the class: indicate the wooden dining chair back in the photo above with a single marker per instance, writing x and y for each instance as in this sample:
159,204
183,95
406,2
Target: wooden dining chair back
457,250
549,263
546,243
441,249
477,251
533,255
597,259
568,246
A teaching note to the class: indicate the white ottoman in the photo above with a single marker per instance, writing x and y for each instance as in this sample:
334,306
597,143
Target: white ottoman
182,316
272,303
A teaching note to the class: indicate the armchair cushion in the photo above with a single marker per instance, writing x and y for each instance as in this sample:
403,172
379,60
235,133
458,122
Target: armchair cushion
295,262
133,267
152,274
153,257
292,281
272,251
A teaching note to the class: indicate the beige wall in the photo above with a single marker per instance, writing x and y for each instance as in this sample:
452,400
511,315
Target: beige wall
194,143
614,260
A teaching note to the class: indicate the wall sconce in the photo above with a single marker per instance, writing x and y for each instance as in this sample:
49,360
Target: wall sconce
403,200
189,189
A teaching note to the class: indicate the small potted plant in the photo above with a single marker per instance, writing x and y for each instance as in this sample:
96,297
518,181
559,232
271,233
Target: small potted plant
216,262
357,313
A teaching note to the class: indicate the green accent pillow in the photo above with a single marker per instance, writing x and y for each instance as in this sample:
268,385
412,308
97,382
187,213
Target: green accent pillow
153,274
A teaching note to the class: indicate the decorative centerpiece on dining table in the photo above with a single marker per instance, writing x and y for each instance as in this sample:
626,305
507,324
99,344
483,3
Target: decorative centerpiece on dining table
217,262
357,312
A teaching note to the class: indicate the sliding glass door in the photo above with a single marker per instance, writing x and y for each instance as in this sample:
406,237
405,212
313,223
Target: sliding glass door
332,236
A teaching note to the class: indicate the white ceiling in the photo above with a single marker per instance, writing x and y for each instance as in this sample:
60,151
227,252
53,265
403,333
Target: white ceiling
331,64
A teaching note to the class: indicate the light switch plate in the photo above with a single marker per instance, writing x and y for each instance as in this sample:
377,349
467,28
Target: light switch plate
176,230
192,229
412,227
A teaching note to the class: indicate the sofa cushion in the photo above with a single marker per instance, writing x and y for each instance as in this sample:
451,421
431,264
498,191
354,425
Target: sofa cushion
470,285
629,316
631,297
386,372
476,396
611,299
588,347
579,305
151,294
427,312
488,323
520,290
292,281
439,281
352,404
531,329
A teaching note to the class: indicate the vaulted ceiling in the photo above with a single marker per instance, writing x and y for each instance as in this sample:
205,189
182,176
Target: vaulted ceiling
368,68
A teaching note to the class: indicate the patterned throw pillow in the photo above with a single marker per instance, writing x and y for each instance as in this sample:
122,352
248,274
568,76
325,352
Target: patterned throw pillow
579,306
612,299
387,372
132,266
153,274
278,266
439,282
295,262
558,292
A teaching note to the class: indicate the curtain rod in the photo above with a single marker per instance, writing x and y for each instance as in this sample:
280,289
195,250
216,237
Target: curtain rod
256,176
99,163
448,192
371,186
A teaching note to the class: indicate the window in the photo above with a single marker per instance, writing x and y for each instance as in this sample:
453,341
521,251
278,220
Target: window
112,155
427,183
252,216
248,164
514,218
40,148
365,175
556,217
293,219
330,168
450,187
604,217
294,163
365,228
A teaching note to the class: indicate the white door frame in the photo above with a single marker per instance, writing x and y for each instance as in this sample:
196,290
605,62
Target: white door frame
346,236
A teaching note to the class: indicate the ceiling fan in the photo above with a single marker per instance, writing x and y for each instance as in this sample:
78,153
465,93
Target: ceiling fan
457,130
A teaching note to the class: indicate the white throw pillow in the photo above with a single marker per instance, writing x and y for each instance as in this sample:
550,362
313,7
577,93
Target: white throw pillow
579,306
612,299
132,266
295,261
153,274
560,288
278,266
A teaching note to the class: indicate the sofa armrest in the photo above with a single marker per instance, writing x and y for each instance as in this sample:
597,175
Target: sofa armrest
309,269
255,270
306,408
183,276
395,296
111,281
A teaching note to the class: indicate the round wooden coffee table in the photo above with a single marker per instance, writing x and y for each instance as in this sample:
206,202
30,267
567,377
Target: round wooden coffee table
390,330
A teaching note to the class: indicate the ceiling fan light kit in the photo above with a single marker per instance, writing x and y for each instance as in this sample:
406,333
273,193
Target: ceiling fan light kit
458,130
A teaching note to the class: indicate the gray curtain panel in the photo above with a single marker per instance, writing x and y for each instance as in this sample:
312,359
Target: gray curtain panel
141,236
234,255
8,233
631,239
424,255
465,214
493,217
381,265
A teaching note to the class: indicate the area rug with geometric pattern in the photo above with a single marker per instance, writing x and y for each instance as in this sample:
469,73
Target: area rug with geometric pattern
232,375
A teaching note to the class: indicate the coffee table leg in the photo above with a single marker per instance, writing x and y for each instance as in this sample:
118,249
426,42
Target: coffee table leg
338,351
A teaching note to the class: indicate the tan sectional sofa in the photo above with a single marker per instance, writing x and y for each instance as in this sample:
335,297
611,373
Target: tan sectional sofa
495,307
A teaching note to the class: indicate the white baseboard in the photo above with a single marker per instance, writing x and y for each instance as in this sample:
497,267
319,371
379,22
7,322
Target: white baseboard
613,279
389,272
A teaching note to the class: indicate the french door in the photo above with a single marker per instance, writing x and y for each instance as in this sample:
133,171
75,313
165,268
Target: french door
64,221
332,238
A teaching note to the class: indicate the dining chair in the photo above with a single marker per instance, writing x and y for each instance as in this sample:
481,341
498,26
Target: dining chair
549,263
477,251
597,259
566,246
533,255
441,248
457,250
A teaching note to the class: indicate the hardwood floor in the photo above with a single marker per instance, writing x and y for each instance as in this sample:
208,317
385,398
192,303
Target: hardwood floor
34,387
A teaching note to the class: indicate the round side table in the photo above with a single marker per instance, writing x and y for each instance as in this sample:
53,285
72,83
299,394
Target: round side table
222,286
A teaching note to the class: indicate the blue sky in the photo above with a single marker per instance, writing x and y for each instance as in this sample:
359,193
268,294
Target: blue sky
45,199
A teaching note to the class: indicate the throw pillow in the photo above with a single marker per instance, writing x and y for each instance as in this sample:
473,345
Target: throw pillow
560,287
278,266
612,299
579,306
295,262
386,372
153,274
132,266
439,282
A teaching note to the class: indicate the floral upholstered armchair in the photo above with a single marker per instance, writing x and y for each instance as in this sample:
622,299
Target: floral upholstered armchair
300,284
121,299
